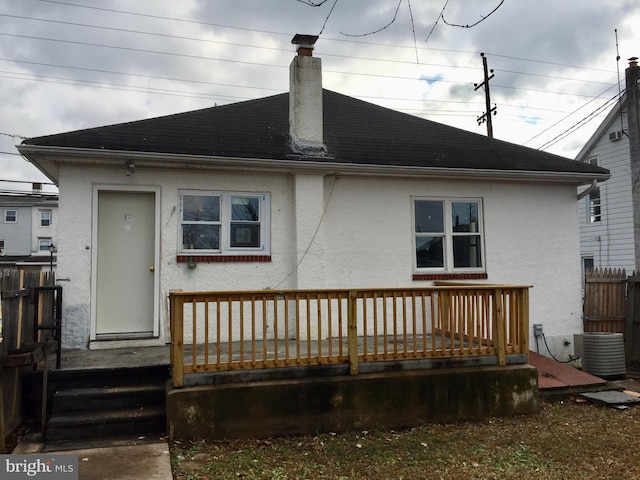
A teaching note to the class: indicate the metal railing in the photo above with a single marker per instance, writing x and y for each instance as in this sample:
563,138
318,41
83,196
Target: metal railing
222,331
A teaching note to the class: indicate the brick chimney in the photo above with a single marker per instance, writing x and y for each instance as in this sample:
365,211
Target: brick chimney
305,99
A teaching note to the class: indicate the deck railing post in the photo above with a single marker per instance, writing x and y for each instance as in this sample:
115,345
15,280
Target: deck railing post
177,338
524,321
499,326
352,333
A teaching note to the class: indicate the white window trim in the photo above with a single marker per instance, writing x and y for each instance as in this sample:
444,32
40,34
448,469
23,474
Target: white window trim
225,224
592,205
44,239
448,236
10,221
49,212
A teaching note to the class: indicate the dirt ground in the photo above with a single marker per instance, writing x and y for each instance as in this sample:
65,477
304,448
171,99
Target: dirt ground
570,438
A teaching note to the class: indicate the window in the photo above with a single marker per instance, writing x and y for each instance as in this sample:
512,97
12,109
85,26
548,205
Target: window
595,210
43,244
10,216
224,223
45,218
448,235
2,247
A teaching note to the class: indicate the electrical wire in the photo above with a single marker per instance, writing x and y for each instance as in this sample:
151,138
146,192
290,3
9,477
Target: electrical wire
577,125
395,15
479,21
324,211
571,359
307,2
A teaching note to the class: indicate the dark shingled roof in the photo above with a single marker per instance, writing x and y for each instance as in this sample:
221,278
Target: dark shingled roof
355,132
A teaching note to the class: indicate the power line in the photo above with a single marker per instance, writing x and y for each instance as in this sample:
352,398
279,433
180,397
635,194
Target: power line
567,116
12,135
325,39
173,93
141,50
152,77
577,125
115,86
479,21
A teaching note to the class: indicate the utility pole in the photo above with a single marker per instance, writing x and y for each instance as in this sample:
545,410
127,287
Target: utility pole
486,116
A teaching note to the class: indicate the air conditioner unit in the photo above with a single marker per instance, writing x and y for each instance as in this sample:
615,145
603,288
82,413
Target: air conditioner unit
615,136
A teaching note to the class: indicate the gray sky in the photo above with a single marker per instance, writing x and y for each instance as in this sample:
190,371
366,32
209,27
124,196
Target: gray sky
72,64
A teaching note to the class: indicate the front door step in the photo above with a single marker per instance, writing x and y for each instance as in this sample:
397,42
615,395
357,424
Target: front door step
106,423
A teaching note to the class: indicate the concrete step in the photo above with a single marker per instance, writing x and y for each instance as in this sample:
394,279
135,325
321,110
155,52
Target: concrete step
108,377
106,423
106,402
107,398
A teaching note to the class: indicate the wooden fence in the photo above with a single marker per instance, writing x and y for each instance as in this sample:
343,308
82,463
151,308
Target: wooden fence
18,312
605,300
220,331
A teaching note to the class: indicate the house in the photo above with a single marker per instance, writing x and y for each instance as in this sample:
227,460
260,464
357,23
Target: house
28,228
306,189
605,212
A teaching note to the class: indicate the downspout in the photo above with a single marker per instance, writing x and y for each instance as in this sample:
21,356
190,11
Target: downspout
592,187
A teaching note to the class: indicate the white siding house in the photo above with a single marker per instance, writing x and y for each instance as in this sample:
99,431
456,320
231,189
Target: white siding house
252,196
28,225
606,214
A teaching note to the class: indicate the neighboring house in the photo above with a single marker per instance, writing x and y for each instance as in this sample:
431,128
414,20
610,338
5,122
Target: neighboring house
606,211
311,189
28,227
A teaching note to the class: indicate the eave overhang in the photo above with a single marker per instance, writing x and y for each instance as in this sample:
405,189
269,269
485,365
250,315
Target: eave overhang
47,159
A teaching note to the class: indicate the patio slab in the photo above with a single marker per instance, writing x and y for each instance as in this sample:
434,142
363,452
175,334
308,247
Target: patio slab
553,375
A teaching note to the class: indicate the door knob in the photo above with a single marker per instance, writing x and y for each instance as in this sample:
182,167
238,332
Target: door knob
152,269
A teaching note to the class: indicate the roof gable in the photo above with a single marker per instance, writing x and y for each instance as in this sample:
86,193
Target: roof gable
613,115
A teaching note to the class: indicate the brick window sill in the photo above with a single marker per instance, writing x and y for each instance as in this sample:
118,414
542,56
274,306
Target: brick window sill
450,276
223,258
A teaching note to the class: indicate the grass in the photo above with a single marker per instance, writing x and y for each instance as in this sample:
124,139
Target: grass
566,440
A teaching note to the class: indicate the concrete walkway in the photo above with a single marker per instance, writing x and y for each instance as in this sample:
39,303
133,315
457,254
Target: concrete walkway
145,461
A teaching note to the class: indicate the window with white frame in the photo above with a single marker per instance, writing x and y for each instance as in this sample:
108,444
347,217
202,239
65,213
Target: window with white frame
595,206
224,223
43,244
10,216
45,218
448,235
2,247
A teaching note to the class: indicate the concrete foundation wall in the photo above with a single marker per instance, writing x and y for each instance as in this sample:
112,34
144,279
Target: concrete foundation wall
342,403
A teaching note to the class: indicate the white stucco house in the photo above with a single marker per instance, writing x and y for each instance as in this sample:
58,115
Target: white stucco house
306,189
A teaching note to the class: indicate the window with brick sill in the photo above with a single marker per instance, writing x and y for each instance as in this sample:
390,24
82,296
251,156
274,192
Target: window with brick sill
448,239
224,227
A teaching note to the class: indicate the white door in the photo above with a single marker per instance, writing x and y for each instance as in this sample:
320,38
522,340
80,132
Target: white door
125,265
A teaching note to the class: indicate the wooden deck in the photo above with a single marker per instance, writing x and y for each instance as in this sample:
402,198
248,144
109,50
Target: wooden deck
248,330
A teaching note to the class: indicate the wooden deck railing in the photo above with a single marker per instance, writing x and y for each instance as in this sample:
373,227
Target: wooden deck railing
221,331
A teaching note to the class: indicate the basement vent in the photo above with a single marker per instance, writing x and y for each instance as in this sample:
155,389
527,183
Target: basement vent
603,354
615,136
